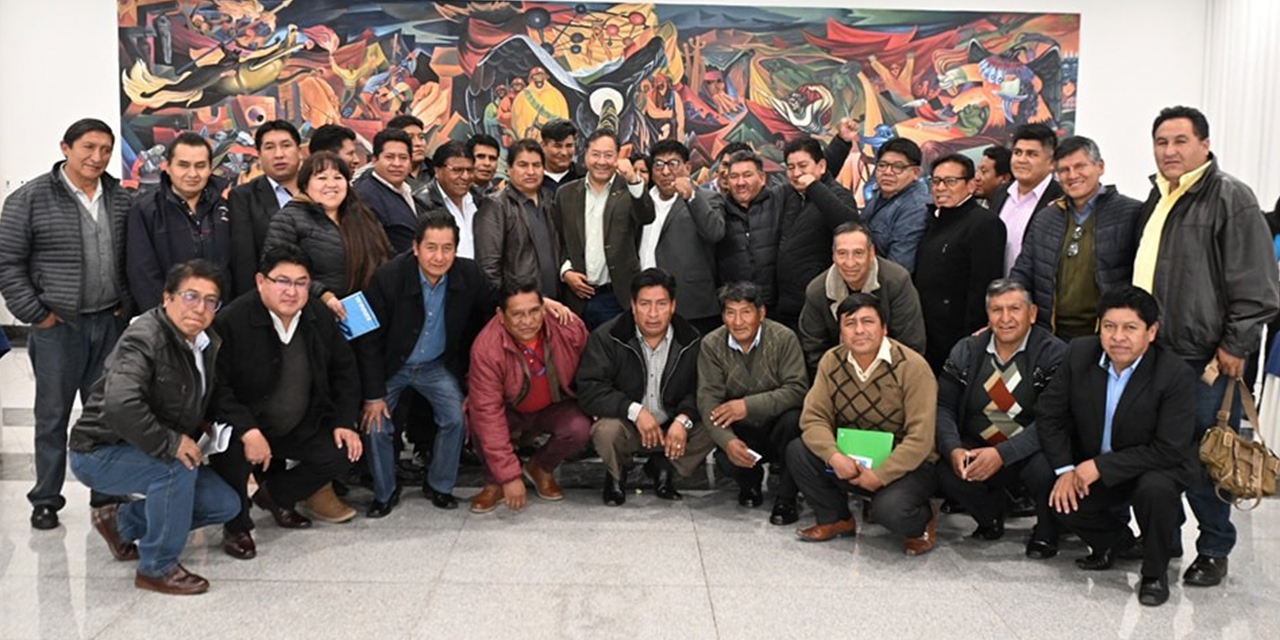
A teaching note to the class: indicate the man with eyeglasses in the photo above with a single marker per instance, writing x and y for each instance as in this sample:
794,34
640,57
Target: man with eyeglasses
453,193
896,212
598,217
688,222
289,391
139,430
1080,246
959,255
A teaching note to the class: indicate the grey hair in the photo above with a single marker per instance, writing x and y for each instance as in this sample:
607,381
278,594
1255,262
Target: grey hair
741,291
1001,286
1078,143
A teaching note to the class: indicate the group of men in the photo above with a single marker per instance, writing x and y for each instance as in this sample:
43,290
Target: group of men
652,318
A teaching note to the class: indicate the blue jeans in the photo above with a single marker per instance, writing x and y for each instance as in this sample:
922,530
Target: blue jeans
1217,534
601,307
177,501
441,389
67,359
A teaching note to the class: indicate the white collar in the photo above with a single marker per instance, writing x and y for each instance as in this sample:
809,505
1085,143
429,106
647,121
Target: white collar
733,344
404,190
991,346
1037,192
97,190
882,355
286,335
200,344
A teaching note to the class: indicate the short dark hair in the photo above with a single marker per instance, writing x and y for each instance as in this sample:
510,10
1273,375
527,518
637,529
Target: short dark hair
668,147
851,227
405,120
391,135
747,156
275,125
86,125
908,148
741,291
198,268
188,139
858,300
805,144
1199,123
732,148
640,156
283,254
653,277
558,129
518,286
1038,132
525,145
330,137
1078,143
437,220
602,133
1135,298
450,149
1001,156
958,158
482,140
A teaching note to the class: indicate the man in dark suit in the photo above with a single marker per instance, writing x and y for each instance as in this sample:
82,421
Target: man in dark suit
1116,424
681,240
386,188
251,205
430,304
1033,187
599,218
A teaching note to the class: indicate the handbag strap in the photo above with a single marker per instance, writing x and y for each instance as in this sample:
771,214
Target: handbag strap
1251,411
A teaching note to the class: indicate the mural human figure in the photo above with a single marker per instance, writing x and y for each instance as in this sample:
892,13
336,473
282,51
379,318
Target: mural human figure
539,103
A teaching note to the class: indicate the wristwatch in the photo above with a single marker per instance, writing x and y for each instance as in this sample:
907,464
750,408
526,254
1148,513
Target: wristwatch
685,422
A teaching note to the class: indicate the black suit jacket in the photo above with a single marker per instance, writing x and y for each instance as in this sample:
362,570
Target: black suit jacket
1153,423
249,208
395,296
1052,192
250,361
687,250
623,217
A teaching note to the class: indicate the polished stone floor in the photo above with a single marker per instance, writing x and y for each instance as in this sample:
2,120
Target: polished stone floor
702,568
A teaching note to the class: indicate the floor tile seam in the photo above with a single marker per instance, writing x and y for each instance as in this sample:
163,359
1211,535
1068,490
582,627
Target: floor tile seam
987,602
702,563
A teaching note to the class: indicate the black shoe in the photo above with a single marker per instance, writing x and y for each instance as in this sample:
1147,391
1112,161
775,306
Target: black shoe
1154,591
44,517
615,492
990,531
1098,560
784,512
444,501
1135,551
663,476
950,506
1038,549
1205,571
750,496
382,509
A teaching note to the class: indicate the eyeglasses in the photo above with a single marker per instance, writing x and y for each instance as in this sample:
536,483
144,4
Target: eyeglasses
1073,249
950,181
284,284
893,167
674,165
191,298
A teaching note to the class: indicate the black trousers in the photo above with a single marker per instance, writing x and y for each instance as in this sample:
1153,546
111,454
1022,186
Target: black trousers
902,506
1156,497
987,501
319,461
770,441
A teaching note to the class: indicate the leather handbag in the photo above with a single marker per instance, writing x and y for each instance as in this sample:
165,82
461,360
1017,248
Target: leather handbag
1241,470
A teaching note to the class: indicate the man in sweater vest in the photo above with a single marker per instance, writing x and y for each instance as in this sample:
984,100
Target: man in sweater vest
751,381
987,416
869,382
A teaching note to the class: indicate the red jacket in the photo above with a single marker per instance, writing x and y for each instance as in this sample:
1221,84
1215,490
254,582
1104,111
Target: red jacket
499,378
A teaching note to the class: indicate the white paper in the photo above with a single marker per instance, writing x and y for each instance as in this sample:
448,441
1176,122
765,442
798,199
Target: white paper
215,442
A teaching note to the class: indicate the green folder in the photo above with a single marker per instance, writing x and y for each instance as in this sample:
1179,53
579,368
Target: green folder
868,448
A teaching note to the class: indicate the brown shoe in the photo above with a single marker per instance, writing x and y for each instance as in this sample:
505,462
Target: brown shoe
177,582
544,482
287,518
825,532
924,544
325,506
104,520
487,500
239,544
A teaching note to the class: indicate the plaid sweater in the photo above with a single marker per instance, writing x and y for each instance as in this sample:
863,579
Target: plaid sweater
900,398
771,378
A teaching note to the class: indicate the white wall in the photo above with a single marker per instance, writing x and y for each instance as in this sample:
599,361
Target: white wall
58,62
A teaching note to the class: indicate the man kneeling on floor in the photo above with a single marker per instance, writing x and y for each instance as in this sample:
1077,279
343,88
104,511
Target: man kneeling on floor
521,379
290,391
869,382
639,378
139,428
1116,425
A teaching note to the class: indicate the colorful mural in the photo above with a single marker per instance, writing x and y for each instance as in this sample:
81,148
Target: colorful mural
706,75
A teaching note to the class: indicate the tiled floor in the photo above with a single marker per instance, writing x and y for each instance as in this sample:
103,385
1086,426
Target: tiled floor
703,568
